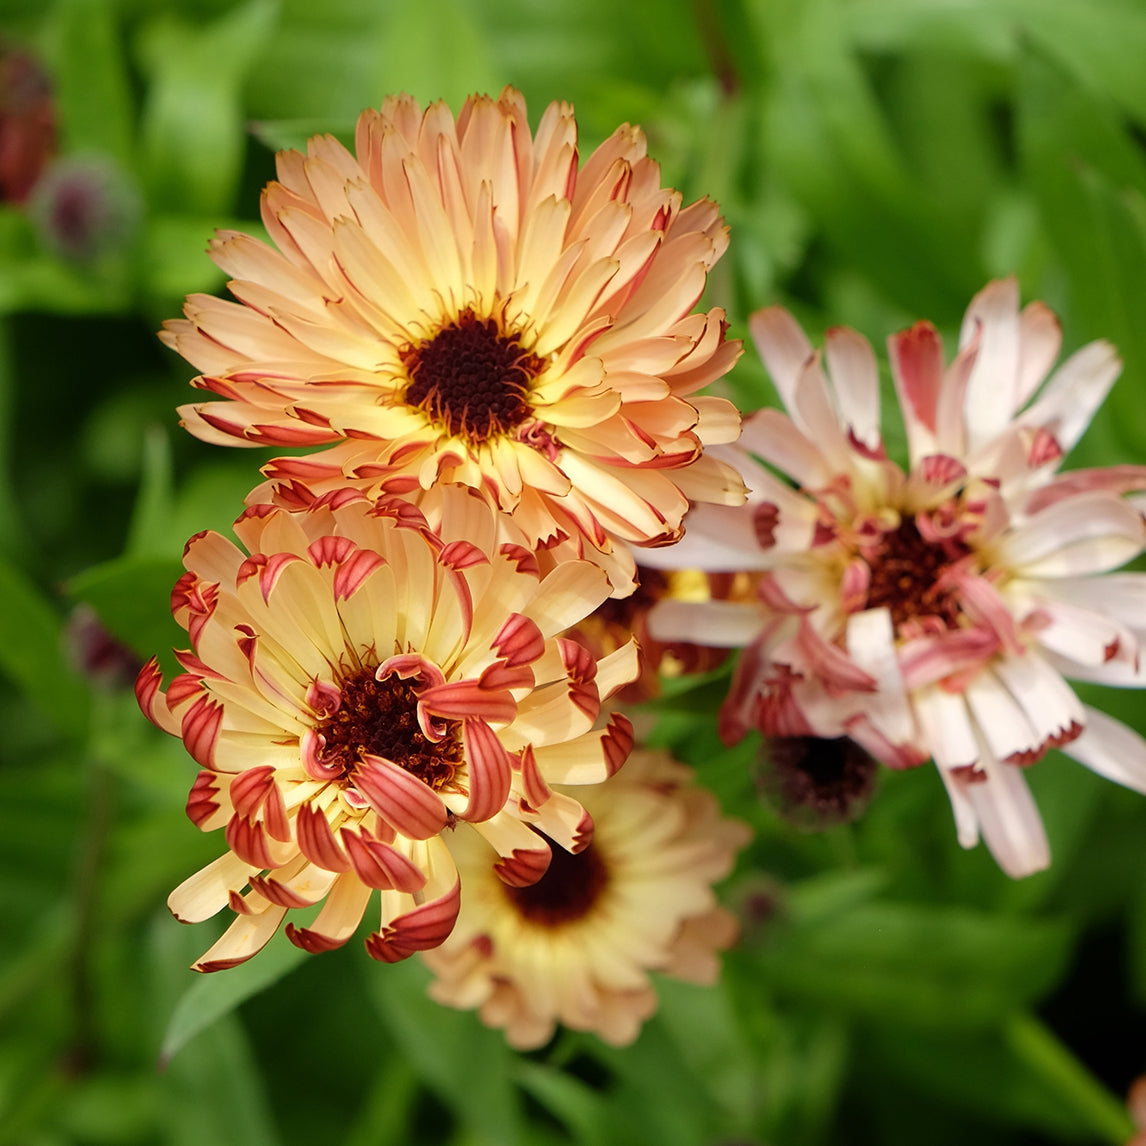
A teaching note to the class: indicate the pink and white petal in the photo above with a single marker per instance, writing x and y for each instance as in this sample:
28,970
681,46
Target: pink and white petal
814,412
917,369
947,727
720,624
1050,704
966,817
870,643
1121,596
1091,533
1040,340
1084,635
1002,722
1009,820
992,398
773,436
1110,748
1074,393
783,346
855,380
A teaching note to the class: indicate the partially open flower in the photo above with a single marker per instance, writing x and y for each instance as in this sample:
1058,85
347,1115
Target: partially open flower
577,946
360,684
933,612
462,302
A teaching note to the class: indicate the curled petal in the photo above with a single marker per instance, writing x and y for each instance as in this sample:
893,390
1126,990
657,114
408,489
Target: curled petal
381,865
427,926
402,800
489,771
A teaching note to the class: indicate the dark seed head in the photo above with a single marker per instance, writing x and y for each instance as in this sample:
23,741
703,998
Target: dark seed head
472,378
817,783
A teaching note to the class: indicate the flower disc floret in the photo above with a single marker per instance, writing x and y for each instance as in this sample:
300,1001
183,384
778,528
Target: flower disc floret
358,684
464,302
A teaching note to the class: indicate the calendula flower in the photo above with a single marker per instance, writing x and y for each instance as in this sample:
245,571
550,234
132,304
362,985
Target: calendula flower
359,684
461,302
577,946
934,611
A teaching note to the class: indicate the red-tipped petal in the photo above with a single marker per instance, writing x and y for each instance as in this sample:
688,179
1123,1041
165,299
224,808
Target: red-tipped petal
379,865
519,641
490,772
410,807
200,730
151,700
426,927
524,866
460,699
316,841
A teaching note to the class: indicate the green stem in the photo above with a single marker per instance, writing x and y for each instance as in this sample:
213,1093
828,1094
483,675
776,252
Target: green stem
1045,1054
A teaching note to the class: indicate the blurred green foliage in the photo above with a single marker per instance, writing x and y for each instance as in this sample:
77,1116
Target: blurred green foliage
877,161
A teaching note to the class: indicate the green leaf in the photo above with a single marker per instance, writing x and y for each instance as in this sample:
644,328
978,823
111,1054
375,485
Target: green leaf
193,131
468,1066
211,997
910,963
132,597
93,91
32,653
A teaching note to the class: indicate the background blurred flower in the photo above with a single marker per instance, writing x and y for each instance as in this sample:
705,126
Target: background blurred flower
933,611
356,686
84,206
462,302
817,782
27,123
577,946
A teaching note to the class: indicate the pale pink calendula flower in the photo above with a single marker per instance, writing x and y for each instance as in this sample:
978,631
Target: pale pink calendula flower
577,947
462,301
932,612
359,684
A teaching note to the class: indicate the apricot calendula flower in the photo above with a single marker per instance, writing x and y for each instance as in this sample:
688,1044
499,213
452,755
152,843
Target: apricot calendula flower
358,684
577,946
934,612
461,302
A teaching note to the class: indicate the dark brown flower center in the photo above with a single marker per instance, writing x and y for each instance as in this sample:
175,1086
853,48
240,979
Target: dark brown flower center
380,718
567,891
824,781
472,378
906,576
